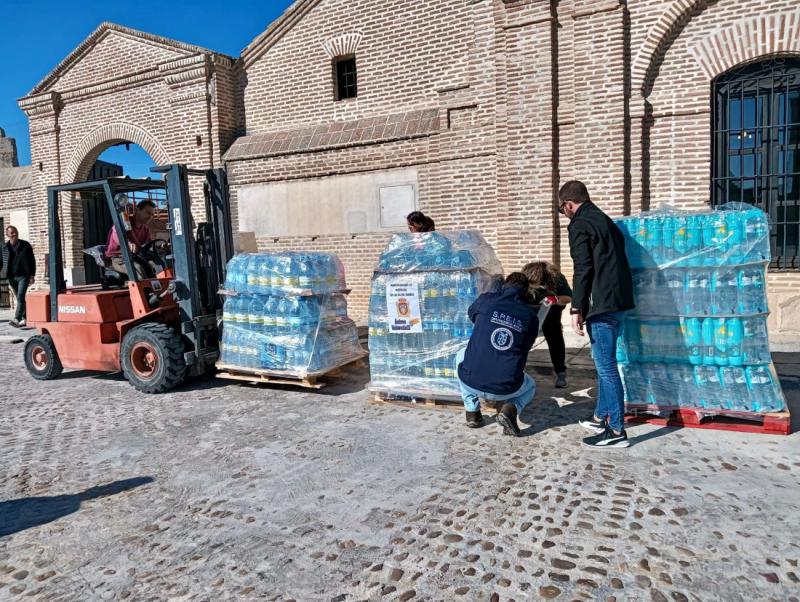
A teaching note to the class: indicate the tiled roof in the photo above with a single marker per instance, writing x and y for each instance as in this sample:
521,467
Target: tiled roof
412,124
13,178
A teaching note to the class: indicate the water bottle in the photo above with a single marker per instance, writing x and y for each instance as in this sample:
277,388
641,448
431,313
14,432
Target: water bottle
255,314
735,248
241,309
434,294
633,340
673,302
725,291
752,299
706,379
653,248
756,236
694,240
282,316
650,348
734,383
305,278
228,317
708,335
293,318
693,340
668,254
251,277
720,342
264,275
755,349
680,240
698,292
763,393
687,397
735,332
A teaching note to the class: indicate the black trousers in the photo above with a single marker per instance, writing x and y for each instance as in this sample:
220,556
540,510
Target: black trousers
554,335
19,286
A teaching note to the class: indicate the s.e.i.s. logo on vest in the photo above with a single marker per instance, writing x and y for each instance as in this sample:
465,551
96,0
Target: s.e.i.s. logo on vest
502,339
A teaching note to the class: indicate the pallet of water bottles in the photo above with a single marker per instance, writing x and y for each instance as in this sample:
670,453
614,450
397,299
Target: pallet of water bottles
418,322
285,319
696,347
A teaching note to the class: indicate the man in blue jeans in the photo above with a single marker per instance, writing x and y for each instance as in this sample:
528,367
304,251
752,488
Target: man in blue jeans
492,366
602,293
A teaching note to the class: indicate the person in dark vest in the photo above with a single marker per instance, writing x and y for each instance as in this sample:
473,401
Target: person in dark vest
492,365
602,292
19,266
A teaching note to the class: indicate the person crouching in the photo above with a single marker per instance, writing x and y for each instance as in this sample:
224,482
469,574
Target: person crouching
492,365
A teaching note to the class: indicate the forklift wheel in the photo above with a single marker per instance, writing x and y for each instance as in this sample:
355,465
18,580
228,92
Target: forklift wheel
152,358
41,358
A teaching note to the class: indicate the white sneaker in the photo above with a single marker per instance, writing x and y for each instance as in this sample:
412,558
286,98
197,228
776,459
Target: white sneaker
593,425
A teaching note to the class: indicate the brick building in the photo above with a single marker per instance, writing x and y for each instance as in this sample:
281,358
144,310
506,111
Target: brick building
345,114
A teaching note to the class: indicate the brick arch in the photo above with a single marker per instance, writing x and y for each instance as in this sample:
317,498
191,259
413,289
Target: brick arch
644,68
93,144
747,40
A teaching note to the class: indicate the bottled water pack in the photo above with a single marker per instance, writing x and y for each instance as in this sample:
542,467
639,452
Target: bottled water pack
272,321
449,271
698,336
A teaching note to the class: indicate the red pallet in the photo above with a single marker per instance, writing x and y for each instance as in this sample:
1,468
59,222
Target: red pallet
778,423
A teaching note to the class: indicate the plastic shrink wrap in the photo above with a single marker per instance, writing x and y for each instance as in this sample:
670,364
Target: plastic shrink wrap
698,336
421,291
287,312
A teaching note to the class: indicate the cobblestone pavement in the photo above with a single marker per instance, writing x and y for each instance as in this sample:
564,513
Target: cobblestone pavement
221,491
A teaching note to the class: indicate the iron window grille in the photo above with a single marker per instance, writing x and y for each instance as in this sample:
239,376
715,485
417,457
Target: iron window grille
755,148
345,77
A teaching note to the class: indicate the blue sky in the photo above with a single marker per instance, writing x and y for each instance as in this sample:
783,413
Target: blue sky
36,35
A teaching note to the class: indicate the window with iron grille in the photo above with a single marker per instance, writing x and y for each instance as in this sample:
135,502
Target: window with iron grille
756,148
345,77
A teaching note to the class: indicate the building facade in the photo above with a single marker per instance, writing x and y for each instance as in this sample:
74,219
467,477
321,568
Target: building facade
344,115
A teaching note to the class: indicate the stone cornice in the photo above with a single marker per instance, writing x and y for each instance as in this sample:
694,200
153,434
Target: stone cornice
41,105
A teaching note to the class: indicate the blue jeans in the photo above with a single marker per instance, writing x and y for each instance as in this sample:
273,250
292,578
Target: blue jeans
603,330
520,398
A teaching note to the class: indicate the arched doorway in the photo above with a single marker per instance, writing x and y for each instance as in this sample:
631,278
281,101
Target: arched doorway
119,149
121,160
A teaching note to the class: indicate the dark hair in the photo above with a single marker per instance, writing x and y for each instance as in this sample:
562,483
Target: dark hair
574,191
542,276
421,221
145,203
517,279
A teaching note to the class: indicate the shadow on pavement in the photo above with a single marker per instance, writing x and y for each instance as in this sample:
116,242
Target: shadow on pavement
26,513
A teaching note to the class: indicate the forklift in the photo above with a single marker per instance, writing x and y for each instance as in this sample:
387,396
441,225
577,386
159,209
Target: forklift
158,324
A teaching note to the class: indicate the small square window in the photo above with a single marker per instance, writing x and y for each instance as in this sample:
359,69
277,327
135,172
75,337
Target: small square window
345,77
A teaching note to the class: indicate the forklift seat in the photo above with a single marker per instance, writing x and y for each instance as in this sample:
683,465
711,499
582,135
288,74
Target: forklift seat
109,277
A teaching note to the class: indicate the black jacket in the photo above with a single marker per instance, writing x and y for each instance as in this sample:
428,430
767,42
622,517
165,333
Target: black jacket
505,329
602,278
18,263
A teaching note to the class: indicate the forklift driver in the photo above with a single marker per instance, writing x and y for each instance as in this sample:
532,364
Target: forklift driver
137,236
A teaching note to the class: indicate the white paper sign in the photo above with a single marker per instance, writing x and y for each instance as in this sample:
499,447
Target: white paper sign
402,302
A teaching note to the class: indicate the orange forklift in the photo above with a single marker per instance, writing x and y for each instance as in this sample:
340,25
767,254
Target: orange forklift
156,324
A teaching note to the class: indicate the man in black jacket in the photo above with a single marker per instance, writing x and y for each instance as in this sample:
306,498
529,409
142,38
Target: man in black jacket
19,266
492,366
602,293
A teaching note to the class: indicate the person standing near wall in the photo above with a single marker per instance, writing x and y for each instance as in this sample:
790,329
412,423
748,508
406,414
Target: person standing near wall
19,266
548,284
603,292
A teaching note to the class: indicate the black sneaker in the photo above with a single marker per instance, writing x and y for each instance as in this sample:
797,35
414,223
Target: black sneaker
561,380
474,419
507,418
608,440
13,323
593,425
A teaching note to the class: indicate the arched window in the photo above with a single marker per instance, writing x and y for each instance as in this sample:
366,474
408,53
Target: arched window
756,147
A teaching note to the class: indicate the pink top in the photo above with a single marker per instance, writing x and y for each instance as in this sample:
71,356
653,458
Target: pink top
139,234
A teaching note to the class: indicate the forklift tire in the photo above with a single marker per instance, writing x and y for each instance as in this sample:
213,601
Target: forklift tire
152,358
41,358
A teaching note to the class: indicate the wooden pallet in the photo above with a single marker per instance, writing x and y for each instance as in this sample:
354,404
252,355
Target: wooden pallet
307,380
777,423
423,399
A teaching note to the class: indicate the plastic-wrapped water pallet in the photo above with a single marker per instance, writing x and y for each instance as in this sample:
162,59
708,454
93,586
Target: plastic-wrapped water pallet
421,290
696,346
285,318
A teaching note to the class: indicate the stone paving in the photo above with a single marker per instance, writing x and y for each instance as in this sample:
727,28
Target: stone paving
219,491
